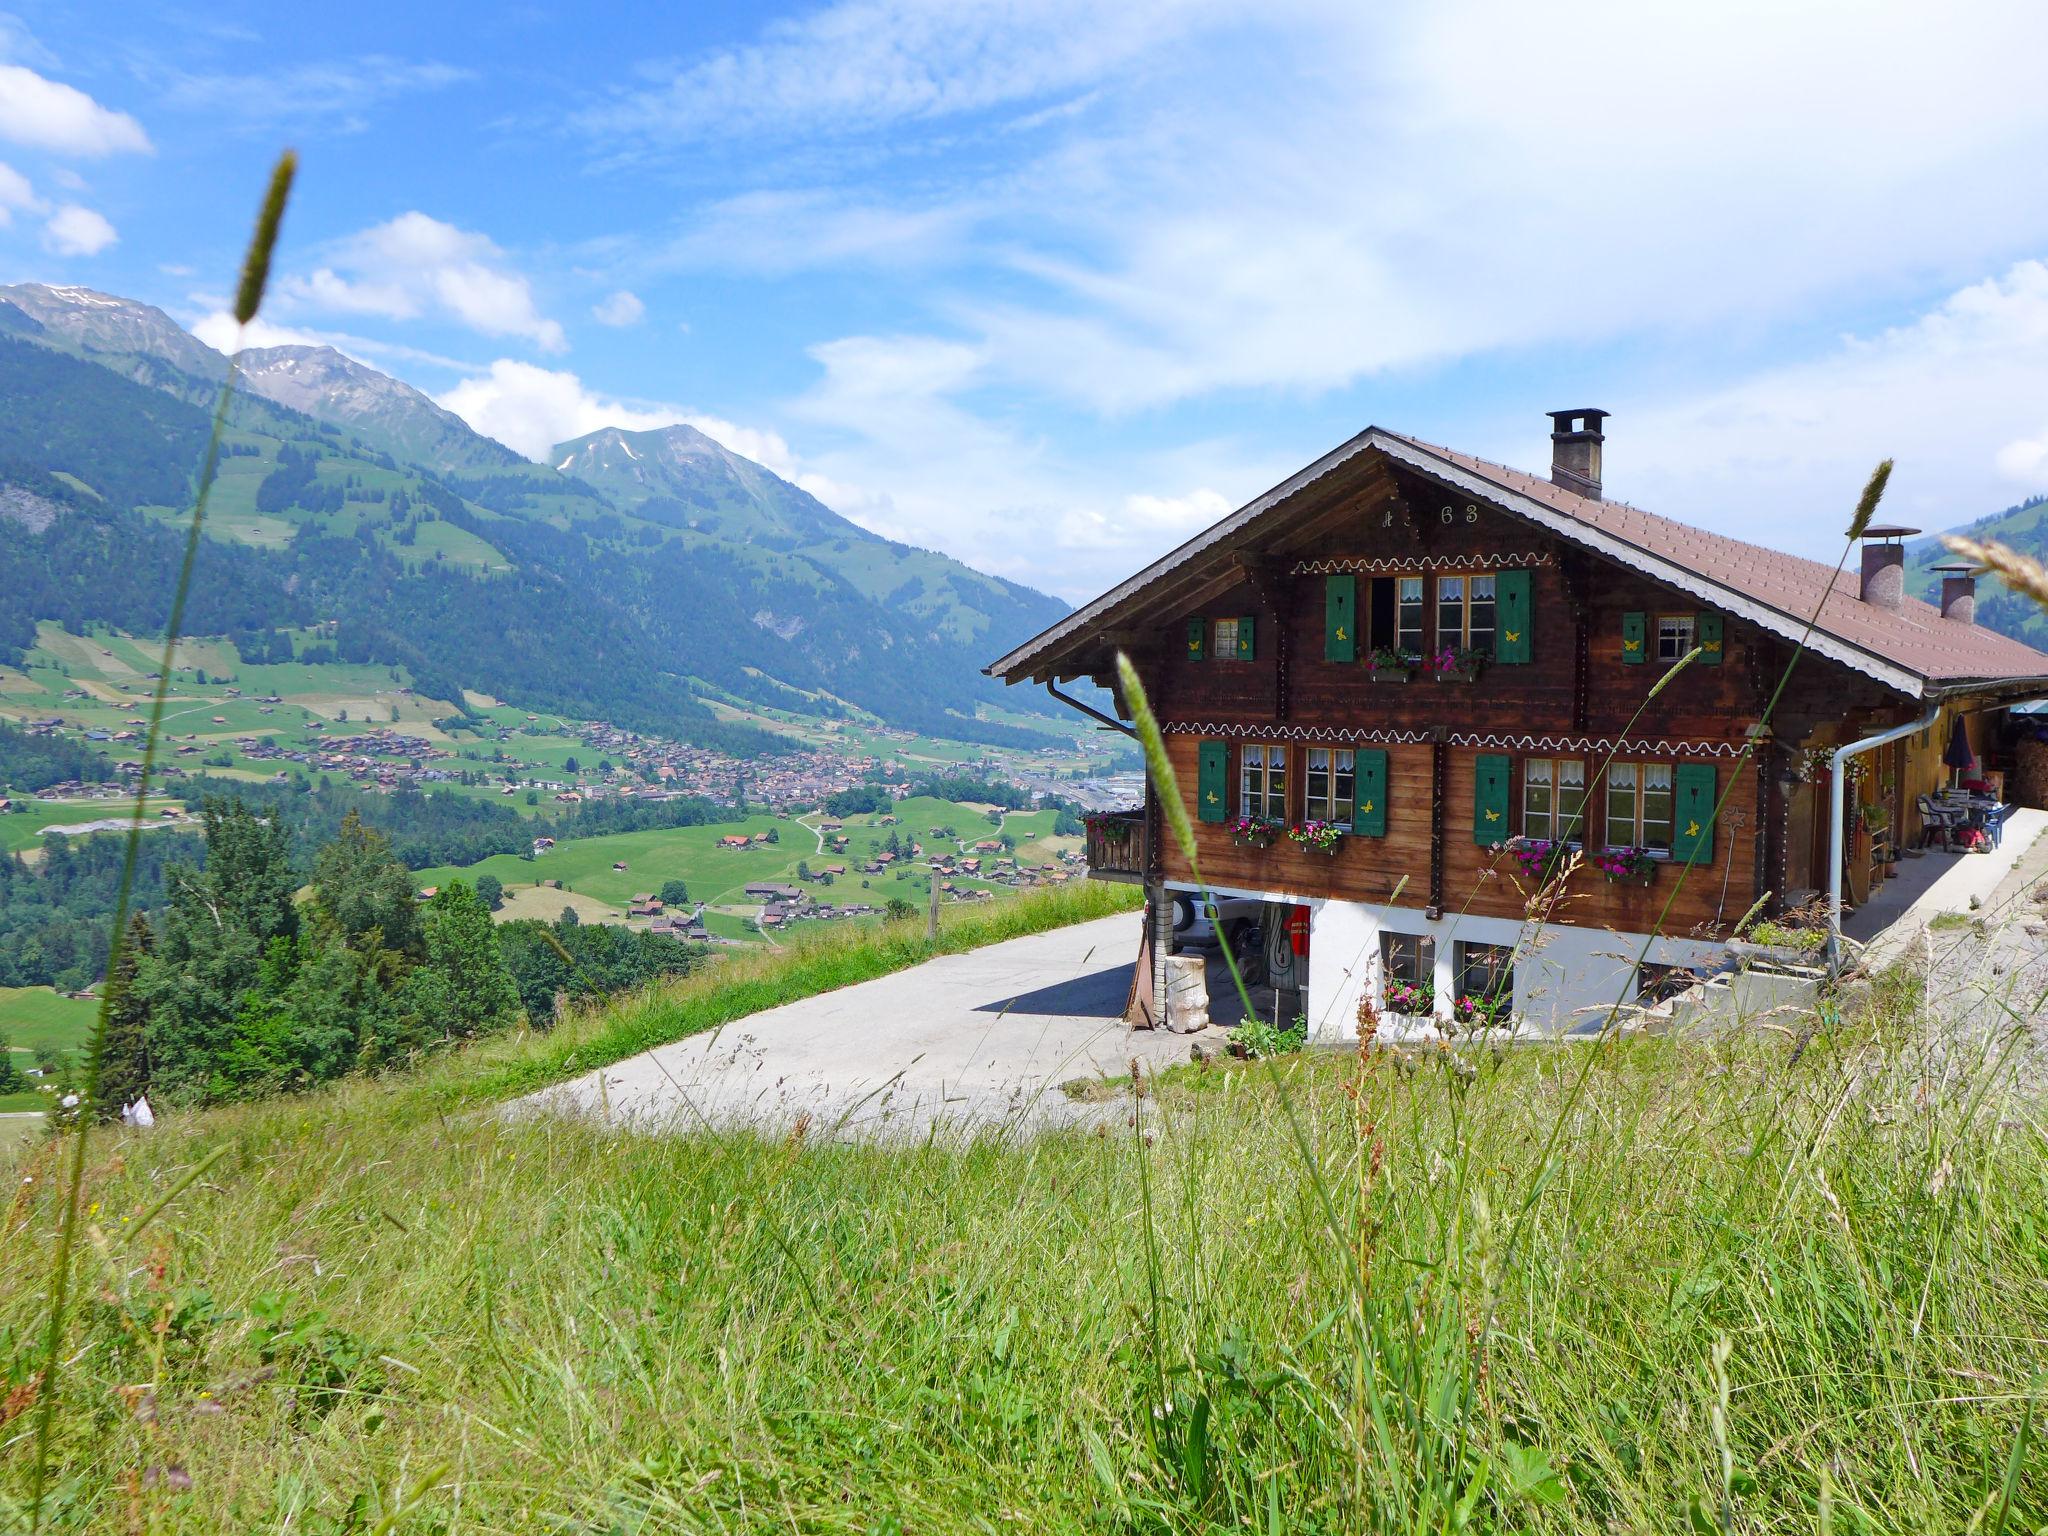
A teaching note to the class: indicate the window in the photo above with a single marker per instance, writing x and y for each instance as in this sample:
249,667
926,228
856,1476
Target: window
1639,806
1327,786
1553,798
1486,972
1465,612
1408,615
1223,640
1655,983
1674,635
1407,973
1262,781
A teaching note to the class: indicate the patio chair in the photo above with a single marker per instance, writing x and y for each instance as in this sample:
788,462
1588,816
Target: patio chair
1938,822
1994,822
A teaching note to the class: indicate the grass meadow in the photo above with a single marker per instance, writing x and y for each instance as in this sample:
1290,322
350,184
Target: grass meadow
1776,1282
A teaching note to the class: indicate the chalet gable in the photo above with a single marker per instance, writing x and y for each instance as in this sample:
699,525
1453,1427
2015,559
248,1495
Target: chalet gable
1909,647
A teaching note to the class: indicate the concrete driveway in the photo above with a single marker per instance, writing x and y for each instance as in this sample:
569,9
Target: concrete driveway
979,1041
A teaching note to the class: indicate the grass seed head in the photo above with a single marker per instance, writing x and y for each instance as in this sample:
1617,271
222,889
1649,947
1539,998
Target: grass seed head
1873,493
2017,571
256,265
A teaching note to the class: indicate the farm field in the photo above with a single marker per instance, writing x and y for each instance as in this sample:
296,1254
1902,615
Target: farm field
22,831
718,876
36,1018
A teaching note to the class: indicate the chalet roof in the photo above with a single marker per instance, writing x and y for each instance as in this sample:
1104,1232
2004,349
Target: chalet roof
1912,649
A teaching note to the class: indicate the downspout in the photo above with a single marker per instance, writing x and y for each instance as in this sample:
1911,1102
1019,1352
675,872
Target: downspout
1088,709
1838,809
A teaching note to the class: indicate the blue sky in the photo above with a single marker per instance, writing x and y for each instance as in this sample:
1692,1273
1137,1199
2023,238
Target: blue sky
1049,286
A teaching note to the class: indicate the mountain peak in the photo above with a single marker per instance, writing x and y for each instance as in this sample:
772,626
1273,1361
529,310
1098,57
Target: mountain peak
383,411
86,320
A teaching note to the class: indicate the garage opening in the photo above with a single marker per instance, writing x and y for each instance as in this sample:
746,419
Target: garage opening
1270,942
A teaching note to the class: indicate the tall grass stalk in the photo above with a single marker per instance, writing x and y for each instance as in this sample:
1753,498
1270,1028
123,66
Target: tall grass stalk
248,300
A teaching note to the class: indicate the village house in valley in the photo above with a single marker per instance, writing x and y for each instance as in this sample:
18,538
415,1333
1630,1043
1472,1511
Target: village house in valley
1451,664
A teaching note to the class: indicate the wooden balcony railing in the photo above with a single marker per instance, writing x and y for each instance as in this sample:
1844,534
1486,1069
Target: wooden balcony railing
1116,846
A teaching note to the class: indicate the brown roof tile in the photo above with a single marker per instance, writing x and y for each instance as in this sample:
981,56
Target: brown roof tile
1915,636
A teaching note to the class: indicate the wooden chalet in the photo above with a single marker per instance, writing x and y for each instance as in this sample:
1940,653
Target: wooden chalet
1455,663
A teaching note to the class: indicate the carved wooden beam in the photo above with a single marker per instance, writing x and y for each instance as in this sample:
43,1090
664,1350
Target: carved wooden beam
1439,751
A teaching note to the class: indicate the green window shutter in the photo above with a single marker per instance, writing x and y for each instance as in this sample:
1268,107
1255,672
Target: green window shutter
1513,639
1246,651
1692,830
1340,617
1633,626
1369,793
1212,783
1198,639
1490,798
1707,630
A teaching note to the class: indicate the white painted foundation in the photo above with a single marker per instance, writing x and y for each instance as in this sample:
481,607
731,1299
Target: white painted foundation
1563,975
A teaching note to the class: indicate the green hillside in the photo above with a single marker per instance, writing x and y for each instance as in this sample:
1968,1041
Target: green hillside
350,499
2025,528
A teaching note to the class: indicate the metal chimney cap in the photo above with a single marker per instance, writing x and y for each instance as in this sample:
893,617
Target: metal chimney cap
1888,531
1954,568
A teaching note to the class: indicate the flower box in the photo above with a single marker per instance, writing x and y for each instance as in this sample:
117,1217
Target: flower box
1470,1012
1452,665
1255,831
1324,837
1627,866
1387,665
1538,858
1410,1002
1390,674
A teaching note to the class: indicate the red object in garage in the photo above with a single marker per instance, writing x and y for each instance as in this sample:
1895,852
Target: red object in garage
1297,931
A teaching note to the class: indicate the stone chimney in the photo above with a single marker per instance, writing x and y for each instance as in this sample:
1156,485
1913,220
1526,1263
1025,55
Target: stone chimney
1884,566
1575,439
1958,593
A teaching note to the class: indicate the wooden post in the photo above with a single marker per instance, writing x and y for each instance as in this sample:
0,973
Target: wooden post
931,922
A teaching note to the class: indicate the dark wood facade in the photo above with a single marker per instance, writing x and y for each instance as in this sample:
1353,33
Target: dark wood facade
1261,632
1576,698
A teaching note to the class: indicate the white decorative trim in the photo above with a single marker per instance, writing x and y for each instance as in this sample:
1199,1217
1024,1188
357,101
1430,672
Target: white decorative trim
1396,563
1235,731
1336,733
1644,746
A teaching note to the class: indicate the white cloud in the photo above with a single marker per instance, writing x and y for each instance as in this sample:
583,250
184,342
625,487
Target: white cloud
220,331
415,266
620,309
16,194
335,88
47,114
530,409
77,231
1954,396
866,63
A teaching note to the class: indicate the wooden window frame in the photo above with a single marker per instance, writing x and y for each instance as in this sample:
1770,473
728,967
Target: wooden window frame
1328,808
1218,651
1555,813
1266,749
1461,963
1422,605
1463,637
1638,793
1424,945
1688,623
